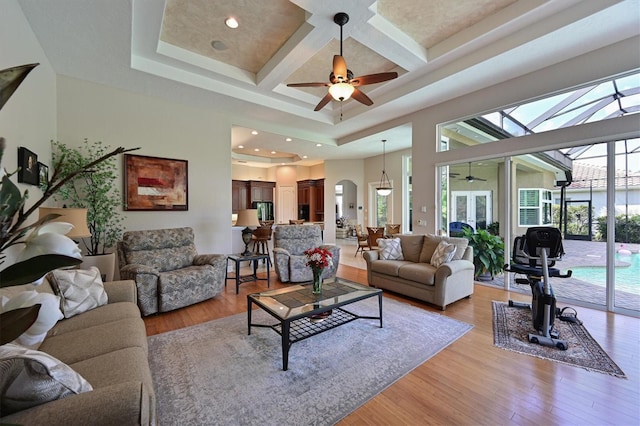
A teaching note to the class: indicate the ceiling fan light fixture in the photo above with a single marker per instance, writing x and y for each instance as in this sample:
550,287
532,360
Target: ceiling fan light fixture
341,91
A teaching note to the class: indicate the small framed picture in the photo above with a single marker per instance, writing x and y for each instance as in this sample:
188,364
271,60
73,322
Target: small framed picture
43,172
28,164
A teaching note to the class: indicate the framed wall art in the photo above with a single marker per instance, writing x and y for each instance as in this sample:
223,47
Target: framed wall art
28,164
153,183
43,173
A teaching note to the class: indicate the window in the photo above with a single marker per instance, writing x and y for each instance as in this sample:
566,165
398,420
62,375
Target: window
534,207
339,199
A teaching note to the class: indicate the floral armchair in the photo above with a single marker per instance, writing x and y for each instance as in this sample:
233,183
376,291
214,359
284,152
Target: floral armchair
289,244
168,272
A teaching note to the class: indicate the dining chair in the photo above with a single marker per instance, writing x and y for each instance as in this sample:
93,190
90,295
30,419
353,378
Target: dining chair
374,234
391,229
362,239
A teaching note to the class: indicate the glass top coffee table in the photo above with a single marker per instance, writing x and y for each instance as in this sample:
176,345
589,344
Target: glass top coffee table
300,313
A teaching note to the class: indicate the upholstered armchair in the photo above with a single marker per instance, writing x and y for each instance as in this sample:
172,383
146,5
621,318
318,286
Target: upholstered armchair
289,244
168,272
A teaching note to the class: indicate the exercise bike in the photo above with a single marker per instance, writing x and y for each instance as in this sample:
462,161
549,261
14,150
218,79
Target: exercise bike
534,256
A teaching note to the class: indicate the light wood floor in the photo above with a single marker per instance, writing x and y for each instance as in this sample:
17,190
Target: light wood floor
473,382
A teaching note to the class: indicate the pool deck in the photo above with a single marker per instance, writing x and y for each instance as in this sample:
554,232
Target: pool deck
582,253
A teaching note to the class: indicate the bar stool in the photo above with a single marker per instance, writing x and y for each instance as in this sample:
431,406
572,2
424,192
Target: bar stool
261,238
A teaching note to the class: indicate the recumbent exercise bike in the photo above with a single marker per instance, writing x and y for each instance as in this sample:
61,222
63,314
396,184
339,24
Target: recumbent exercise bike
534,255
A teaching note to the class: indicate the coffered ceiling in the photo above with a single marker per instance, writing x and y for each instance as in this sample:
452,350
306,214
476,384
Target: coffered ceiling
182,50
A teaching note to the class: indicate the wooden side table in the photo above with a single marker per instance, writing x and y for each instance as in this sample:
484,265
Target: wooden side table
254,258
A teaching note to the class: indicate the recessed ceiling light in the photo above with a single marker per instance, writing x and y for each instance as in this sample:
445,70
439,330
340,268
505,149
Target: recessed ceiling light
318,144
273,152
304,156
254,132
288,139
219,45
240,146
231,22
256,149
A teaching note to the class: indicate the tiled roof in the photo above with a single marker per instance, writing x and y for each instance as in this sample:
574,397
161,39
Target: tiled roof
591,176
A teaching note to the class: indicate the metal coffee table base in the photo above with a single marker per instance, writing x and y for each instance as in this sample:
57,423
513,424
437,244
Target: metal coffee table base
300,327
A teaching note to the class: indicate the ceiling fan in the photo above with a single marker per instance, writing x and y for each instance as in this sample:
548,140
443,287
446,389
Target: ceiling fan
342,85
470,178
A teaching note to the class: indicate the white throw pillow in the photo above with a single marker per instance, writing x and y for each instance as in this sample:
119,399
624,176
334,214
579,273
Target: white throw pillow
80,290
48,315
31,378
444,253
390,249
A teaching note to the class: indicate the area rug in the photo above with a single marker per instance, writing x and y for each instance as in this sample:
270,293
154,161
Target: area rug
216,374
511,328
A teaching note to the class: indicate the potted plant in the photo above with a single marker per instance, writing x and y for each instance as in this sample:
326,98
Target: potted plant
96,190
488,252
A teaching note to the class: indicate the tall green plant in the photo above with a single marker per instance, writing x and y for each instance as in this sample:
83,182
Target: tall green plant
488,251
95,189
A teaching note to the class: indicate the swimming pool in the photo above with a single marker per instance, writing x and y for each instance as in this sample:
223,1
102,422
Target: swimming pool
627,277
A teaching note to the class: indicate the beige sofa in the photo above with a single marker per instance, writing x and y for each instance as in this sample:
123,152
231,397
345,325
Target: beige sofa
108,347
416,277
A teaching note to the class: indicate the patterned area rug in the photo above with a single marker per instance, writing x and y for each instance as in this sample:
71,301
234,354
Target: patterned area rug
216,374
511,327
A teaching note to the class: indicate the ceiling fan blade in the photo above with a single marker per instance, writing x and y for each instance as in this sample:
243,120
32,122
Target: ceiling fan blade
339,67
361,97
373,78
327,98
307,84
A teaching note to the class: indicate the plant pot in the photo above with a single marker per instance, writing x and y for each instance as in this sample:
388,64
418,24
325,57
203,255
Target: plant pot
484,277
106,263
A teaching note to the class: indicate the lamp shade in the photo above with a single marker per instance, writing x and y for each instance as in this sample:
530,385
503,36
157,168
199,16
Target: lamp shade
248,217
76,217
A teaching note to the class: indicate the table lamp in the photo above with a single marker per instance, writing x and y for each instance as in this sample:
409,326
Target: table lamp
247,218
76,217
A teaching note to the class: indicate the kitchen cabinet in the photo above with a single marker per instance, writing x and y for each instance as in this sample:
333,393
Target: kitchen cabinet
261,191
320,197
311,198
239,195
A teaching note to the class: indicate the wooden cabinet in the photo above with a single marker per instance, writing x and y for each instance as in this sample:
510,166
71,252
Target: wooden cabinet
303,194
261,191
239,195
320,197
311,195
244,193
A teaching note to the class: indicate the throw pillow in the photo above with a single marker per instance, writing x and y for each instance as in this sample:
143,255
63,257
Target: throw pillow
390,249
80,290
48,315
443,254
31,378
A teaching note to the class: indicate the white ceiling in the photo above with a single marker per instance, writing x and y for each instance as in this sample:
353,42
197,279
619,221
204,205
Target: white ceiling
442,49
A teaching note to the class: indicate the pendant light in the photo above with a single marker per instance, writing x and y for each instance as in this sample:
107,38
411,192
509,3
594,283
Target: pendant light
384,188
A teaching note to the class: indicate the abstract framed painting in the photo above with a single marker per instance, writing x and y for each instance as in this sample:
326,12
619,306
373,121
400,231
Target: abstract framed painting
154,183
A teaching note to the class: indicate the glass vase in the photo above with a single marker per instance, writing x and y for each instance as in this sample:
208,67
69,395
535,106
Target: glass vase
317,281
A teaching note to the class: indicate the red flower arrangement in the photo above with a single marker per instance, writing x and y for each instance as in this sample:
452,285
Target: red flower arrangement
318,258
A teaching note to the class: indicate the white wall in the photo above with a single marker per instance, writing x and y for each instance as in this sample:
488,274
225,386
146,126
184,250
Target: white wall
29,118
160,129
